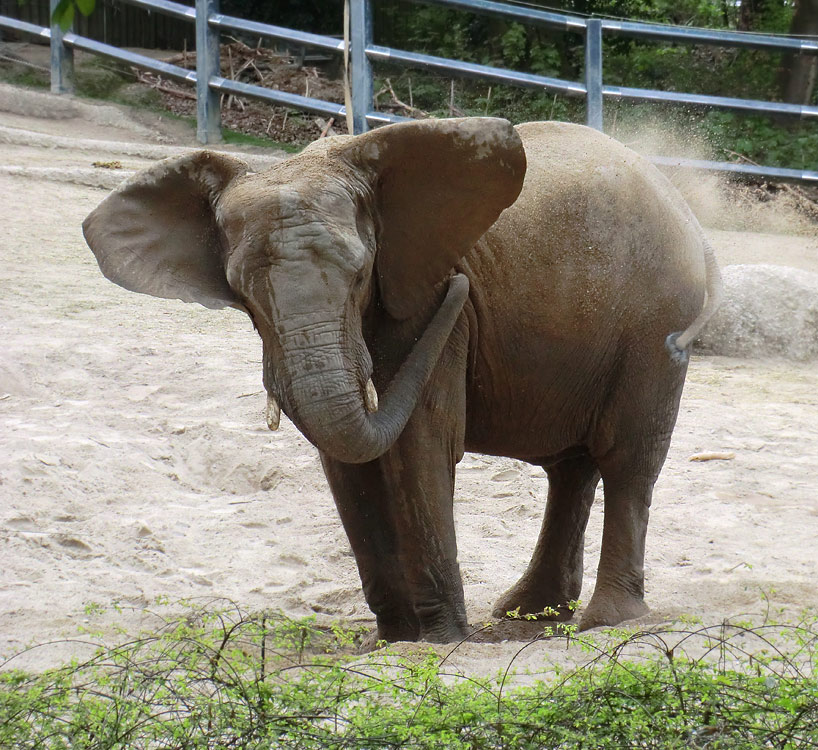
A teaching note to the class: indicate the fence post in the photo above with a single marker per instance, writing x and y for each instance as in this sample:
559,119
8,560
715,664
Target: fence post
208,116
360,21
62,58
593,73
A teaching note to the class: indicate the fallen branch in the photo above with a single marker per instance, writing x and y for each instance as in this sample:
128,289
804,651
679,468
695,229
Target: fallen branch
327,128
233,77
159,86
712,457
398,103
182,57
19,61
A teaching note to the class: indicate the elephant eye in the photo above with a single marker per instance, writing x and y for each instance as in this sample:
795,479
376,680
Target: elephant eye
365,221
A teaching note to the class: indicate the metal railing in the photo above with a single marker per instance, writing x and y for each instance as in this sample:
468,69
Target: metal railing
363,52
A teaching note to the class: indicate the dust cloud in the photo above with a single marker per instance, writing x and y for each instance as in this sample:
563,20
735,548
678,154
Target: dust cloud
719,201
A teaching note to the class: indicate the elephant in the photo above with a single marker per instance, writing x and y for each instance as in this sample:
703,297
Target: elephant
527,291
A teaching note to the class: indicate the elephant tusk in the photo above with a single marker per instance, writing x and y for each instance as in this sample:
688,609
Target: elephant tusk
371,397
272,413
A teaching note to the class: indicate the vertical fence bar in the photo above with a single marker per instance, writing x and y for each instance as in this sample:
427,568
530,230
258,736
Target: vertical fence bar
360,21
62,58
593,73
208,116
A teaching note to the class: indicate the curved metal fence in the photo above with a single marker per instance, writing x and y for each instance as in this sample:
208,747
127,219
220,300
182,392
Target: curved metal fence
363,51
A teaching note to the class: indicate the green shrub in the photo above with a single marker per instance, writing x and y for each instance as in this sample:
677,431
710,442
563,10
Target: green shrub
219,679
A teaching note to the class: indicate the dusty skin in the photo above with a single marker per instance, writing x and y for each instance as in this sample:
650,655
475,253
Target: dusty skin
135,461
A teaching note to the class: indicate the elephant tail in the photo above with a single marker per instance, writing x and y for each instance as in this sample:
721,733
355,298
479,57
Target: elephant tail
678,343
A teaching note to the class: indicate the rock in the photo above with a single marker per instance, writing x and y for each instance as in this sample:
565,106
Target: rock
767,311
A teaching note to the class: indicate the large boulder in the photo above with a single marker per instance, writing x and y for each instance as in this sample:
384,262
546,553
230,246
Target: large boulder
767,311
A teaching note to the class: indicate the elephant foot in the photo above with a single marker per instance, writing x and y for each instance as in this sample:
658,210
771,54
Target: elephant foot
453,634
610,607
524,599
388,634
448,630
392,629
449,633
444,624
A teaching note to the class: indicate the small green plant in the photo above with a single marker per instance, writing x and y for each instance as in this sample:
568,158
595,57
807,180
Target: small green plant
19,75
214,677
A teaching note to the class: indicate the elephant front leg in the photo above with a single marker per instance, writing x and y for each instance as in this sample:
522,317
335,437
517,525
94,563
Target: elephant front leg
362,500
397,512
418,475
416,486
554,575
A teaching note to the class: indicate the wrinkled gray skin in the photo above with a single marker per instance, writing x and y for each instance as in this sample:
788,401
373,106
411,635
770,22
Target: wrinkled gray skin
556,334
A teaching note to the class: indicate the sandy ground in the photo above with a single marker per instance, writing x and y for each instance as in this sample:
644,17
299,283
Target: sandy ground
134,459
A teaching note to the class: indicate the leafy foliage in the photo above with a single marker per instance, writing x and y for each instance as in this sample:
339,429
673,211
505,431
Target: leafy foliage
761,140
725,136
701,69
221,679
65,11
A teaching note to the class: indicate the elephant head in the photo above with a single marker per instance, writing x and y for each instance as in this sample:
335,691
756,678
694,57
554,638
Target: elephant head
308,246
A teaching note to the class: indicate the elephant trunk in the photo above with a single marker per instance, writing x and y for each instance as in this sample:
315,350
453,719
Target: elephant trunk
340,415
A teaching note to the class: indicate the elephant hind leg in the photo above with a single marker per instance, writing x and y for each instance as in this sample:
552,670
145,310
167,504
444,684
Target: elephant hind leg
554,575
639,423
620,590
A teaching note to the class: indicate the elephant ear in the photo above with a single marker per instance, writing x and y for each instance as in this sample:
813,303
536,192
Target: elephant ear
157,233
439,185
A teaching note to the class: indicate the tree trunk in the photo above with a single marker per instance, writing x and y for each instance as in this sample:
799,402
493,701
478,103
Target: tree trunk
798,71
749,13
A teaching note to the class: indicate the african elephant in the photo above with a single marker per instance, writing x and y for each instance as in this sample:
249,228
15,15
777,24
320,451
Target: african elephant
529,292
